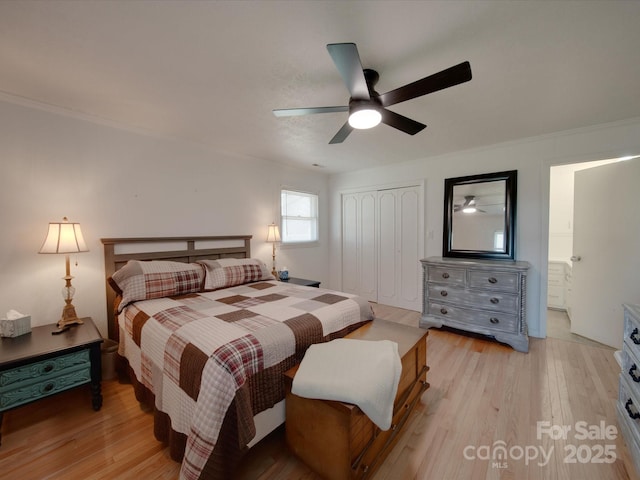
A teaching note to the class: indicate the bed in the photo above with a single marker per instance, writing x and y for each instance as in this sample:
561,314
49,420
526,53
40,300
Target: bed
207,334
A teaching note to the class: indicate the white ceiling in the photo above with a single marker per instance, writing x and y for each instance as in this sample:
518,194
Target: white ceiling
211,71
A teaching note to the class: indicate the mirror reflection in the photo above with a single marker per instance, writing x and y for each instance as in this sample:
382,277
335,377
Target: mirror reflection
478,216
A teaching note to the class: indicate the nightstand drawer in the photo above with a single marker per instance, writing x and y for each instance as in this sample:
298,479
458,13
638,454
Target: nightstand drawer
44,370
28,392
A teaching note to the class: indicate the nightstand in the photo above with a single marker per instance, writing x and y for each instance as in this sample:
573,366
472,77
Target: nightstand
302,281
39,364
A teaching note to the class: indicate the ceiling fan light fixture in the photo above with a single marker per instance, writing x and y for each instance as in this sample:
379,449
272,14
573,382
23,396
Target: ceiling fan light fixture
469,209
364,116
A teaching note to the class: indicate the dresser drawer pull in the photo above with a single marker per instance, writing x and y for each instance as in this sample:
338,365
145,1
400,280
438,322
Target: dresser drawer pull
494,320
493,280
494,300
48,387
632,374
443,311
445,275
635,415
444,293
48,368
634,336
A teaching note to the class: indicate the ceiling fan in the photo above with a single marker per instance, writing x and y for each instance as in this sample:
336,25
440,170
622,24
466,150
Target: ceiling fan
469,206
367,108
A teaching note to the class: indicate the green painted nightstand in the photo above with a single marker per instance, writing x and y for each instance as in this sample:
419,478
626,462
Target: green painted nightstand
39,364
302,281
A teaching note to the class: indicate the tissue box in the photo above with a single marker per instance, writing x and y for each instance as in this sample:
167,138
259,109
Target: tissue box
16,327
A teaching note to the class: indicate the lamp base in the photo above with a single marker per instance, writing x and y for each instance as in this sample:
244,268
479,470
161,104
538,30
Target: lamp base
69,317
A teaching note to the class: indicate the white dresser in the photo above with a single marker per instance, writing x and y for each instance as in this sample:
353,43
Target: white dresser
628,405
480,296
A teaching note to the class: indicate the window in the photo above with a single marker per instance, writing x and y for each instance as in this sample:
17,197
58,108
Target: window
299,213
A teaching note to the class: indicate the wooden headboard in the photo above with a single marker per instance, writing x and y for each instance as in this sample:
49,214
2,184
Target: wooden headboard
118,251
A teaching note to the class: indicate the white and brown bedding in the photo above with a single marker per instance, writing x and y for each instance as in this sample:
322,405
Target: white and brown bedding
208,344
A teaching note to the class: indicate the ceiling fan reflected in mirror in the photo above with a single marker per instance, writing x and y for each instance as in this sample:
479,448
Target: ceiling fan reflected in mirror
367,108
469,206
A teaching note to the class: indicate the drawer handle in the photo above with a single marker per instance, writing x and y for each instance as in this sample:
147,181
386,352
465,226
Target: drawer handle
48,368
48,387
634,336
444,293
443,311
632,374
635,415
445,275
493,280
494,320
494,300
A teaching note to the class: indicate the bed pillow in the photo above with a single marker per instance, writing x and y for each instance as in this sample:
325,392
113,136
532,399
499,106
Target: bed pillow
229,272
155,279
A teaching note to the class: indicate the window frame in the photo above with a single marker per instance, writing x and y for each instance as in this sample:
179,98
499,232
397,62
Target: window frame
283,218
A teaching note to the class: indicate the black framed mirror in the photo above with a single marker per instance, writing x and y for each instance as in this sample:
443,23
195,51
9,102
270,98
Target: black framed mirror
480,216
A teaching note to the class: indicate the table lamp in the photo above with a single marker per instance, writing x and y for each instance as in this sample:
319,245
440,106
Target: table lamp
65,237
273,237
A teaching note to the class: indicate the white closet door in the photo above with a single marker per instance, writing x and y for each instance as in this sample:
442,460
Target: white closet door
399,248
359,267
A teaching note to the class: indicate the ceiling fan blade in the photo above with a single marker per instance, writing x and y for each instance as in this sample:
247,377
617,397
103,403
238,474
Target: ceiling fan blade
290,112
438,81
400,122
342,134
347,60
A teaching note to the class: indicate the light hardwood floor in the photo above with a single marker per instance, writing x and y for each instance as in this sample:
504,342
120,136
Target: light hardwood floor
482,393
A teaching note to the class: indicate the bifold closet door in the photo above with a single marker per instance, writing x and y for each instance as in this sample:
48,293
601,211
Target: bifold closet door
359,267
398,248
381,246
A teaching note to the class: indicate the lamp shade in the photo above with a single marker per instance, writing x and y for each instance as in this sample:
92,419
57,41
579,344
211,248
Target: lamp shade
273,235
64,237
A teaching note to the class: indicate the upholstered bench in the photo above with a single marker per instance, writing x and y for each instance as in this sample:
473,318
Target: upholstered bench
337,440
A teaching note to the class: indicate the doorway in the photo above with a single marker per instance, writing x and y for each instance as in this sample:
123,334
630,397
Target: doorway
564,259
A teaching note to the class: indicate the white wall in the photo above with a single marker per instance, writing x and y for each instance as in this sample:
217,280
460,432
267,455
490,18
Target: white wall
532,158
119,183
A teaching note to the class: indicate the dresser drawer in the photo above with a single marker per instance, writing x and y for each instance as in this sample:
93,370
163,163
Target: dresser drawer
495,301
498,321
556,268
43,370
503,281
631,335
447,275
555,281
631,371
629,404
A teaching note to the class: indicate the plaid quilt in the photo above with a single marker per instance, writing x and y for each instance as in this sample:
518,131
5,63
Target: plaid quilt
213,360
